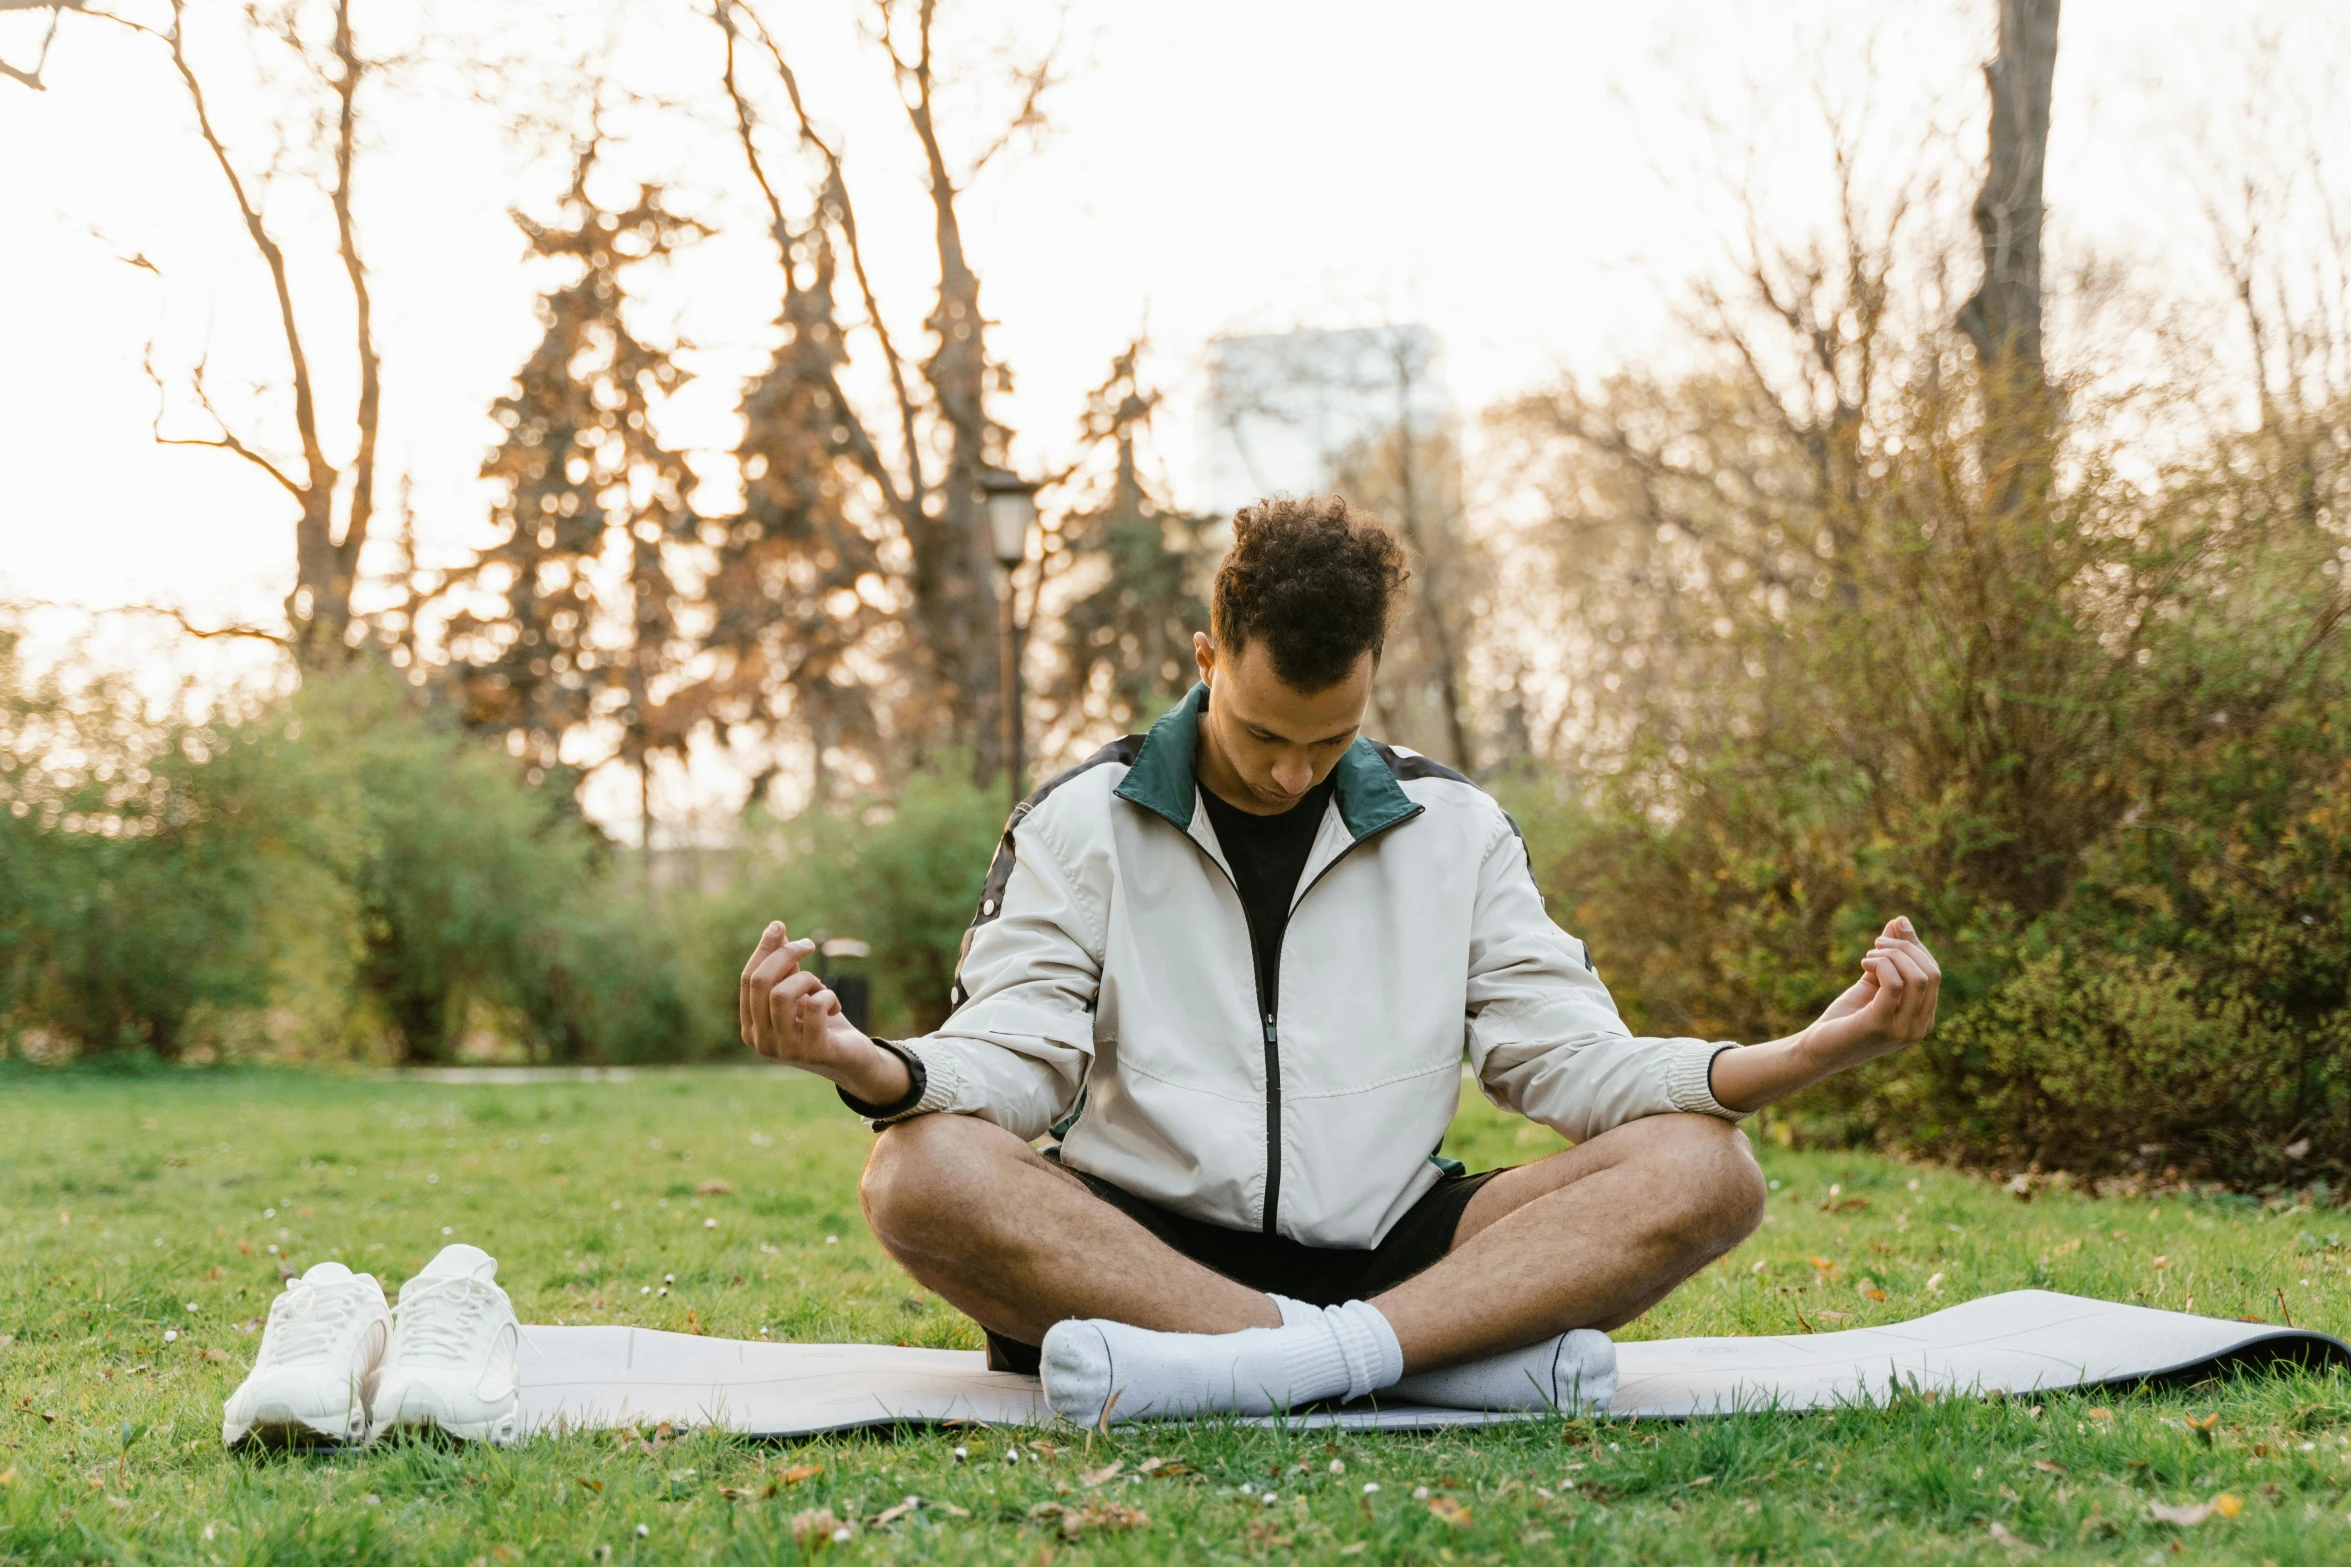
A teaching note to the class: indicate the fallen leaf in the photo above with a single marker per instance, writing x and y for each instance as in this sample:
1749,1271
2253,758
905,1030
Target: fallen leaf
1104,1475
8,1475
2188,1514
1873,1294
815,1528
2160,1262
798,1473
1047,1448
1075,1521
737,1493
2050,1466
2227,1505
2097,1413
593,1485
2000,1532
504,1553
7,1339
1834,1316
715,1189
890,1515
217,1356
1449,1511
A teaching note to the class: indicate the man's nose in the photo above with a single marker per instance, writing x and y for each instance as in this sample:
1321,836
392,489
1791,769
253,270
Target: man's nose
1293,774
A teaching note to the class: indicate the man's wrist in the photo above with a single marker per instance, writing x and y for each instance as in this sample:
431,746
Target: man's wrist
894,1085
1745,1078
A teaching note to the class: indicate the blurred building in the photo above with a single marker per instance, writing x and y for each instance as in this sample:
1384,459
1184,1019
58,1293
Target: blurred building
1290,412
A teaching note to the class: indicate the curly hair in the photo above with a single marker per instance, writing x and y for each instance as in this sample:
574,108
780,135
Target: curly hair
1315,580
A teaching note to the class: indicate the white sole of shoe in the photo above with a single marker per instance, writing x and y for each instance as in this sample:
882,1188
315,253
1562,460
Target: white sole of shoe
499,1430
300,1431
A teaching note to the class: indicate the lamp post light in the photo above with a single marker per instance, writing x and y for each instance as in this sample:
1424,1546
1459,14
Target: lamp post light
1012,511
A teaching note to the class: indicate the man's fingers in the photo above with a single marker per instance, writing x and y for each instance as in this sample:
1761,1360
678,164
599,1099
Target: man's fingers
1905,965
1881,964
769,939
1915,948
780,964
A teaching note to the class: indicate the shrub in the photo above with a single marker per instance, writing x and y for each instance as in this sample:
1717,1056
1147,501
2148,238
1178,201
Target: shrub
145,862
905,878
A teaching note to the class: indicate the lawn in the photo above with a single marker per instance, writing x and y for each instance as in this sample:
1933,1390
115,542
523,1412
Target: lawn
144,1220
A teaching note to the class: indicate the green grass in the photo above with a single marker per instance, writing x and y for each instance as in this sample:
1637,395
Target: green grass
125,1201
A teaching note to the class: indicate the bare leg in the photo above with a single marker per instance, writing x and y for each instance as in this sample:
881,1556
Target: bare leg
1589,1238
1017,1243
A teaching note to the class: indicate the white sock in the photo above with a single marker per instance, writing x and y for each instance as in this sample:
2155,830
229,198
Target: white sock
1092,1366
1574,1373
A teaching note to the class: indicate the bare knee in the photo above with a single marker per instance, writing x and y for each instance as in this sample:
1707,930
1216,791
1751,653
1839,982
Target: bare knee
1711,1191
933,1175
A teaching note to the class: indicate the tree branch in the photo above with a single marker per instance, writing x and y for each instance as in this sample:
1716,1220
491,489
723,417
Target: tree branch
227,440
1038,80
177,616
369,412
57,10
321,474
837,194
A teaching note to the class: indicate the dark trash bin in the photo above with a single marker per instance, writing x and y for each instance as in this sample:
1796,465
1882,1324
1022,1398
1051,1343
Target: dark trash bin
840,963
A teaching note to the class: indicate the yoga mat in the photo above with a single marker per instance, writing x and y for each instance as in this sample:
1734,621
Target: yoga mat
2024,1341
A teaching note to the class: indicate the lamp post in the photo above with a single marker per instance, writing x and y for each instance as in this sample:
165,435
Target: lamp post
1012,511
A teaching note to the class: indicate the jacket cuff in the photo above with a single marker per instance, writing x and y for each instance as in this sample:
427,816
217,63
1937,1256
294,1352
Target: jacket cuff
1689,1082
926,1092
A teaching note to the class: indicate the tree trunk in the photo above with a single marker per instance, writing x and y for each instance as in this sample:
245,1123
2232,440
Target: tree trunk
2003,318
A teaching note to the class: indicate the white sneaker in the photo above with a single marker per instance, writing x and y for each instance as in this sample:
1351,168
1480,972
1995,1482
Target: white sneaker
317,1362
451,1360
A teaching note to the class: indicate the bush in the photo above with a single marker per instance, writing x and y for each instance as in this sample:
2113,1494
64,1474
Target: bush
331,875
146,862
2190,1005
907,881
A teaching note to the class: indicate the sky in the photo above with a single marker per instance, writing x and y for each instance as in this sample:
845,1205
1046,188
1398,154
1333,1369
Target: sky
1533,179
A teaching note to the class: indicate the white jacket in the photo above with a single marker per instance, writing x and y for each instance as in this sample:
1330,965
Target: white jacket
1108,990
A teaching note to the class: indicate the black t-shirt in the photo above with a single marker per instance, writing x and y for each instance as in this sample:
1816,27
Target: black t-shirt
1268,854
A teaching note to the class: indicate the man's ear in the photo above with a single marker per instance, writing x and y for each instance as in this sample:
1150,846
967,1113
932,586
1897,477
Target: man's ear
1204,656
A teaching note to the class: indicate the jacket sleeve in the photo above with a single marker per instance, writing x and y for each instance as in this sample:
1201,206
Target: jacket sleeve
1544,1036
1017,1047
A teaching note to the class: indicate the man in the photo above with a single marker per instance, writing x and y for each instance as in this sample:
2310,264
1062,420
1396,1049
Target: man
1234,965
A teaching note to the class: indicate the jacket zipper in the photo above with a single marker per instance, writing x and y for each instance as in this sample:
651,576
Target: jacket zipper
1268,1008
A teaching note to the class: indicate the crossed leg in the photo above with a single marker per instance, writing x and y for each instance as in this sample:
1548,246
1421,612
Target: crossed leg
1588,1238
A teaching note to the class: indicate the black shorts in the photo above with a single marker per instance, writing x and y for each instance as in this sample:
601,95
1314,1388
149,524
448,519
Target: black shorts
1318,1275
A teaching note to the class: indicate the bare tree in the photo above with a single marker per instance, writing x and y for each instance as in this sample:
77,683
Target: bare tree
926,474
334,504
2003,317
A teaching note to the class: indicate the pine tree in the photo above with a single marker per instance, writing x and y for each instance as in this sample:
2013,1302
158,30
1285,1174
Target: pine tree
800,598
572,619
1134,574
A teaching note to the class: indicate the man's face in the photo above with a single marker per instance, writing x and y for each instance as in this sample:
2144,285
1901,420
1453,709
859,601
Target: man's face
1276,741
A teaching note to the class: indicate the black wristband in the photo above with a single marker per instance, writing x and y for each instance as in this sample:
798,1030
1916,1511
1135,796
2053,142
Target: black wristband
917,1081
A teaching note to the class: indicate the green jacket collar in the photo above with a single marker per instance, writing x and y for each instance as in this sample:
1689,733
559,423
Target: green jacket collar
1161,780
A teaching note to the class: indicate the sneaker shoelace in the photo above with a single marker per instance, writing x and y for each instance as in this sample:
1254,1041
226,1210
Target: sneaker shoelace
441,1319
306,1322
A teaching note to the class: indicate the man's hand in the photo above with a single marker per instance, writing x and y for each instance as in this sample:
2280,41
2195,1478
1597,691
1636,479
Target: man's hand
1889,1008
788,1015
